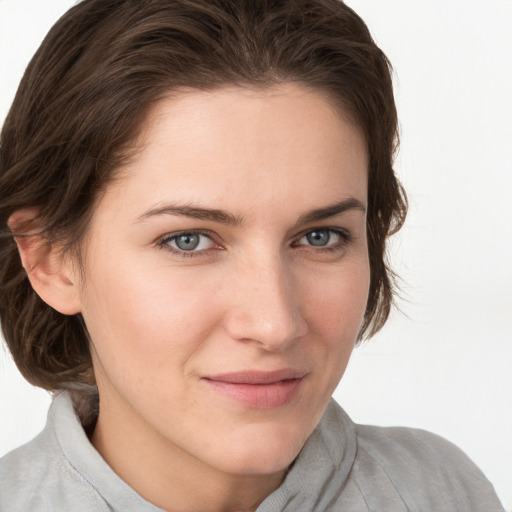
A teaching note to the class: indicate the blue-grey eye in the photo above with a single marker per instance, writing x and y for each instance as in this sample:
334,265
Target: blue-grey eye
190,242
319,237
323,237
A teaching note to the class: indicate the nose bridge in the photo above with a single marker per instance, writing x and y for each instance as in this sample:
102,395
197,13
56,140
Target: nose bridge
266,306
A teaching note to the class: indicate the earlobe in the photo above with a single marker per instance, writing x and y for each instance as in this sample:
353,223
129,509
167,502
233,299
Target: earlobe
50,274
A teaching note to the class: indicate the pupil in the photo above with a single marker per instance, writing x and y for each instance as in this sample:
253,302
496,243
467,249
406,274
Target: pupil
318,238
187,242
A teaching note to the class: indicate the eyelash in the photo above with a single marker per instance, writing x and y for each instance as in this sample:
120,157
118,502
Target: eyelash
345,239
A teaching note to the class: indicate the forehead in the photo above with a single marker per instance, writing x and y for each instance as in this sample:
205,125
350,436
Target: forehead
246,147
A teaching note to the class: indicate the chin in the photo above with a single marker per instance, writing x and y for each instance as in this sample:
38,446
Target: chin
261,451
258,463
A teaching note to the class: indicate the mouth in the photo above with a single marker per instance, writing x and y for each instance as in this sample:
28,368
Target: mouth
257,389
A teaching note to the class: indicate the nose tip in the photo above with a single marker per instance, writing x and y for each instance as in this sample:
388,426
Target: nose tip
267,310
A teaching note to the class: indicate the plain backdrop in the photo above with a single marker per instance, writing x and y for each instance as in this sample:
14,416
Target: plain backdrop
444,362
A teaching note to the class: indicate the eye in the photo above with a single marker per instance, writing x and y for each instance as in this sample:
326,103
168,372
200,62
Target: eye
324,237
188,241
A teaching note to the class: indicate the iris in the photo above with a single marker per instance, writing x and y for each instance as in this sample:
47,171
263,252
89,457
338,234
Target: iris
187,241
319,237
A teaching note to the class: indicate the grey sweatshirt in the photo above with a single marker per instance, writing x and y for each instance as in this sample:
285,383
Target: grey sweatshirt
342,467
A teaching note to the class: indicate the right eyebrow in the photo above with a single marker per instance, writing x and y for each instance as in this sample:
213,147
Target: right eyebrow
194,212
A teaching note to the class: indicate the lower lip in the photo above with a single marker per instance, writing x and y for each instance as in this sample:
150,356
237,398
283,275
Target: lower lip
259,396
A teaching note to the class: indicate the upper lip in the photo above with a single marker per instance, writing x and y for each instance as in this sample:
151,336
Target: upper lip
258,376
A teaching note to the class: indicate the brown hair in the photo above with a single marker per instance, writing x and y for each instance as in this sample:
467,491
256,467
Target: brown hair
86,92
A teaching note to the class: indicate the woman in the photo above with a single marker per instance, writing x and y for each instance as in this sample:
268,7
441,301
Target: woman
196,198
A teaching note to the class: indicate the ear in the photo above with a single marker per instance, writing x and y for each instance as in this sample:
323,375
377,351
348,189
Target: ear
52,276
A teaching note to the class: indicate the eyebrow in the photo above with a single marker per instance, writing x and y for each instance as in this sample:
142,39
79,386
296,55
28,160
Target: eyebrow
327,212
194,212
223,217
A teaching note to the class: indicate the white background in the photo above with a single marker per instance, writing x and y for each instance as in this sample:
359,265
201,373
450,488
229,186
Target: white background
444,363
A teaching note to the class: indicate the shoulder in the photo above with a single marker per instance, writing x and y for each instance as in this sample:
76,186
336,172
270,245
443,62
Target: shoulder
37,477
425,468
395,443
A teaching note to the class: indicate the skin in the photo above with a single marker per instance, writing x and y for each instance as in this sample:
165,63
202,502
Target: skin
255,294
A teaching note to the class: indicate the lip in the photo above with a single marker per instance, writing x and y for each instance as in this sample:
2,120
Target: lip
259,389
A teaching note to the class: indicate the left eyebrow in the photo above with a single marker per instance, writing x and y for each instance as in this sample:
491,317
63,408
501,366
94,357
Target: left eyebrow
331,211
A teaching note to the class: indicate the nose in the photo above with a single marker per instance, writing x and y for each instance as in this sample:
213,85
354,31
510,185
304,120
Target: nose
264,306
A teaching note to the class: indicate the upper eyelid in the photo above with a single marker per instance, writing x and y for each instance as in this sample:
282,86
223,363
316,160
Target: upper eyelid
163,241
175,234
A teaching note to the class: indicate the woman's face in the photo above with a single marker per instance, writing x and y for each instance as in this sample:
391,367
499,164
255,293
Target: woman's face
227,276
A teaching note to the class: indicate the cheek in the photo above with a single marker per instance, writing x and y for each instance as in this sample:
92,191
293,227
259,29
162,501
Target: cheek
147,317
337,303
